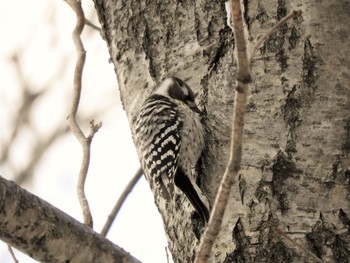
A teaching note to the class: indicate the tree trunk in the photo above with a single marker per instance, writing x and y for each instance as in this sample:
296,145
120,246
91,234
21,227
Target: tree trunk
295,174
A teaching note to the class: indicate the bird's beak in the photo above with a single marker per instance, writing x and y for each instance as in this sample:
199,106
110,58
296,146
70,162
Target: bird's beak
193,106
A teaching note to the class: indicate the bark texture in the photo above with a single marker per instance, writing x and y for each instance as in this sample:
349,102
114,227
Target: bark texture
295,168
47,234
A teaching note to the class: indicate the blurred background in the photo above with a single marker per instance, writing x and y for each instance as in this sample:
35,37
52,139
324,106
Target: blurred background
37,149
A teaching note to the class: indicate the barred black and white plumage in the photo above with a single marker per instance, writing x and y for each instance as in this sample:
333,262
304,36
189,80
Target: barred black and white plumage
169,138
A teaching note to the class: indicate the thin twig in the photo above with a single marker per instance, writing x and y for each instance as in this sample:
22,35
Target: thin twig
121,201
12,254
292,14
73,125
280,232
233,166
167,255
92,25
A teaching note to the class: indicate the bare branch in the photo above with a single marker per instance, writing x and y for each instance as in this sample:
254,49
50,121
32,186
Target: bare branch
233,166
50,235
121,201
92,25
167,255
268,33
280,232
84,141
12,254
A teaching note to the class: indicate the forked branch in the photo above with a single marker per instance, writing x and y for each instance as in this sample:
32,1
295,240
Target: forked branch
73,125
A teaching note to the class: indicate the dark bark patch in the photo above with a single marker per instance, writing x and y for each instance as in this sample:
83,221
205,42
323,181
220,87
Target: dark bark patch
262,16
276,252
242,185
282,169
293,37
347,178
263,190
281,9
343,217
338,175
340,249
346,143
310,60
290,111
147,45
225,44
169,35
272,248
197,225
251,105
246,17
321,235
300,97
282,58
197,24
275,44
202,97
211,29
276,41
242,252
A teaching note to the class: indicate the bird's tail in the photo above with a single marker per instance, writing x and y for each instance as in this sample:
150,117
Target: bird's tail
194,194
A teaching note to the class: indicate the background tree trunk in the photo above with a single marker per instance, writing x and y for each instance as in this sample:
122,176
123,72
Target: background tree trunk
295,168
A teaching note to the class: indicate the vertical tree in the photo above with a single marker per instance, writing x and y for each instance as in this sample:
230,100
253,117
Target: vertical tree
294,179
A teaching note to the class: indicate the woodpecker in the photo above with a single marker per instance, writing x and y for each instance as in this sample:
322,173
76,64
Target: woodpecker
169,139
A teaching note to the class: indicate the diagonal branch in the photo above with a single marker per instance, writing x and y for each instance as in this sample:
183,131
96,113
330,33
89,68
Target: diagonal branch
310,254
47,234
84,141
92,25
12,254
268,33
121,201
